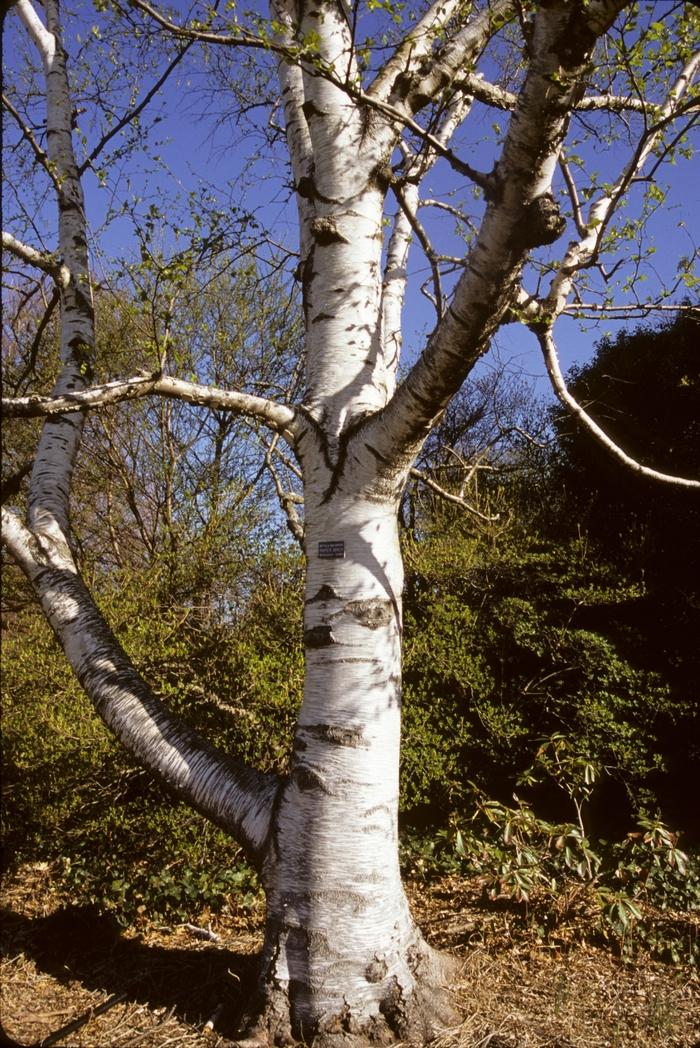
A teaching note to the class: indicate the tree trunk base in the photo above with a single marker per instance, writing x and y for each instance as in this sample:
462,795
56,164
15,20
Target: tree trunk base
413,1014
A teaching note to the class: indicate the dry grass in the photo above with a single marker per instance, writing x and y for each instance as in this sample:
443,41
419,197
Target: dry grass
60,963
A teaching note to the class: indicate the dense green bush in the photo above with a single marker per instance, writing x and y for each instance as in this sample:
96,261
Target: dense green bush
70,793
501,652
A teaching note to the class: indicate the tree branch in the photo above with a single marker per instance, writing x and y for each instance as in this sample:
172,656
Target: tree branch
521,214
44,41
38,335
278,417
94,153
240,39
425,244
499,98
458,500
582,253
549,350
288,499
39,259
39,153
404,79
235,797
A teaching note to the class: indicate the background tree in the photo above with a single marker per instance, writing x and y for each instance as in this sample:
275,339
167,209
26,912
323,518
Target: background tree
644,387
343,959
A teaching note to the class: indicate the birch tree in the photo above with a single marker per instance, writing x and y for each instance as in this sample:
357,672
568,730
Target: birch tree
368,120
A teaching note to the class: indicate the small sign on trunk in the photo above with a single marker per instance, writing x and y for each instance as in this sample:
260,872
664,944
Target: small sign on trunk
331,550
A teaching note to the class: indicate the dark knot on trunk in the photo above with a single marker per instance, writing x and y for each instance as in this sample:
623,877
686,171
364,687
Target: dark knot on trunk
543,222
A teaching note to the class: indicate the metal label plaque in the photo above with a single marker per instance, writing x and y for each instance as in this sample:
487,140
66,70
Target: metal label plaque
331,550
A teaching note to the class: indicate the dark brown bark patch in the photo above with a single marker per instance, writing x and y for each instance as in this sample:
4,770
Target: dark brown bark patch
319,637
306,779
325,232
372,613
325,593
376,971
342,736
543,222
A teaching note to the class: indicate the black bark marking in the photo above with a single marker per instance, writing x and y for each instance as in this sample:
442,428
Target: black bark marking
325,232
543,222
373,613
384,459
325,593
364,660
305,187
307,780
319,637
309,109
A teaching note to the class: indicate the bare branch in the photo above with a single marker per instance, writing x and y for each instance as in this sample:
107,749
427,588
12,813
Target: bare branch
585,251
38,335
106,138
458,500
241,39
634,311
278,417
289,500
425,244
499,98
549,350
520,216
573,195
39,259
36,148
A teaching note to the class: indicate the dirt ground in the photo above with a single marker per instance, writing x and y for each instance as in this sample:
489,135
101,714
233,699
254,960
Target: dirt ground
159,986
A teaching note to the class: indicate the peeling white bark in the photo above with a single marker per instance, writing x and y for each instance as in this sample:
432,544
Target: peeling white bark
49,494
231,795
340,938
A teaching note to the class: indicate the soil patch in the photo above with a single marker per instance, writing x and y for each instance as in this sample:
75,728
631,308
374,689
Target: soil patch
159,986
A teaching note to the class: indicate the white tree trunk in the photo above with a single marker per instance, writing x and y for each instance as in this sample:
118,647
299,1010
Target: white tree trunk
343,958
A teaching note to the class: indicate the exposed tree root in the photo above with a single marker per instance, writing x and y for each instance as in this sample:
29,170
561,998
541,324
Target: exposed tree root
415,1015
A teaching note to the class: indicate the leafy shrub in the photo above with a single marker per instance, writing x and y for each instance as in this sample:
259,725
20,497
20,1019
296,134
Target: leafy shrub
530,638
71,795
636,893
